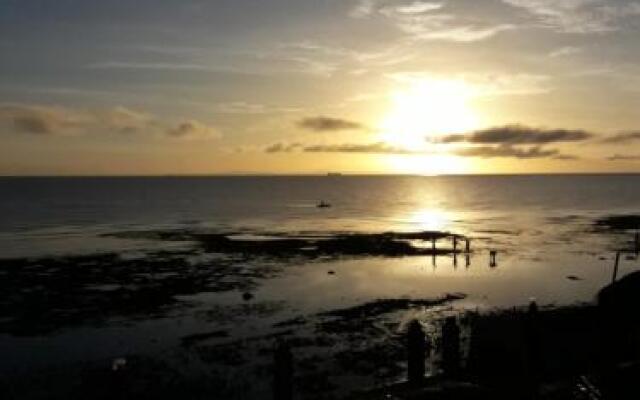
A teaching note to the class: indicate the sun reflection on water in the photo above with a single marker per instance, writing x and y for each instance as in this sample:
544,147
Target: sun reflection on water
430,219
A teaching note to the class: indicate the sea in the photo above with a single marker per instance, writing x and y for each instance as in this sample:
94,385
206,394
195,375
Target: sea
542,228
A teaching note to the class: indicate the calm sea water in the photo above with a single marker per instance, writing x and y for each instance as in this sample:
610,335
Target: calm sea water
540,225
41,215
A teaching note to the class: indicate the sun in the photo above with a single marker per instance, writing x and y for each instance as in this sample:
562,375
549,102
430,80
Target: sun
428,108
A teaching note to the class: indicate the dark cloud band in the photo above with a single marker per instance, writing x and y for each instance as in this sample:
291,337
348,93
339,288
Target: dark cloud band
518,134
328,124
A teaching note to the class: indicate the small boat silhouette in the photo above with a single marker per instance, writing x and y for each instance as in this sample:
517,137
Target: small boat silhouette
323,204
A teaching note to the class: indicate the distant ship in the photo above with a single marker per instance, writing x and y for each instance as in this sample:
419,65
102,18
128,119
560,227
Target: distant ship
334,174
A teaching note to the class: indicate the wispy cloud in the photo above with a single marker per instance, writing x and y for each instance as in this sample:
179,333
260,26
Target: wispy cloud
151,66
192,130
375,148
578,16
623,138
365,148
242,107
418,7
328,124
624,157
425,20
565,51
518,134
508,151
486,84
282,147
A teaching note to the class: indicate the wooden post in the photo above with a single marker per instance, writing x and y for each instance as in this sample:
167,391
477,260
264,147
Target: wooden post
467,261
433,251
637,242
467,247
455,243
416,352
283,373
492,258
615,267
450,347
455,260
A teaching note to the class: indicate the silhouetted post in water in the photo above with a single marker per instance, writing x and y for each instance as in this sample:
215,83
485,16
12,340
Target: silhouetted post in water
615,267
532,342
417,352
283,373
467,245
433,251
467,261
455,260
450,347
492,258
637,242
455,244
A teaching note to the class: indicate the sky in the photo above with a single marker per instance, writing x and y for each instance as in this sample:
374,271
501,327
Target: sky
156,87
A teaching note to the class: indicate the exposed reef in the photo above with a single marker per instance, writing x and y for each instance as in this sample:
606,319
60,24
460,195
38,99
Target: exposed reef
40,296
390,244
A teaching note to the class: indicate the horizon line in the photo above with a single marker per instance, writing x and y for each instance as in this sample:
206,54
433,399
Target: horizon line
315,174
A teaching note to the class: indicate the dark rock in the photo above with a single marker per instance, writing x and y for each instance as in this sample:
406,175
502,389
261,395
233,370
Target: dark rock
621,296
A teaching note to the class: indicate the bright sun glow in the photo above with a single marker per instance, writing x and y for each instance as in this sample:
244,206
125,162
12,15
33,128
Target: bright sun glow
429,220
428,108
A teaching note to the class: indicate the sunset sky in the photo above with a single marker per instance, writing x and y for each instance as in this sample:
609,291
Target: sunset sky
95,87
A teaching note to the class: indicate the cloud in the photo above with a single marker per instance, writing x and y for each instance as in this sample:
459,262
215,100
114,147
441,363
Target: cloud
363,8
151,66
241,107
517,135
577,16
328,124
418,7
624,157
125,120
61,121
565,51
508,151
282,147
385,148
425,20
375,148
484,84
191,130
44,120
623,137
566,157
366,148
